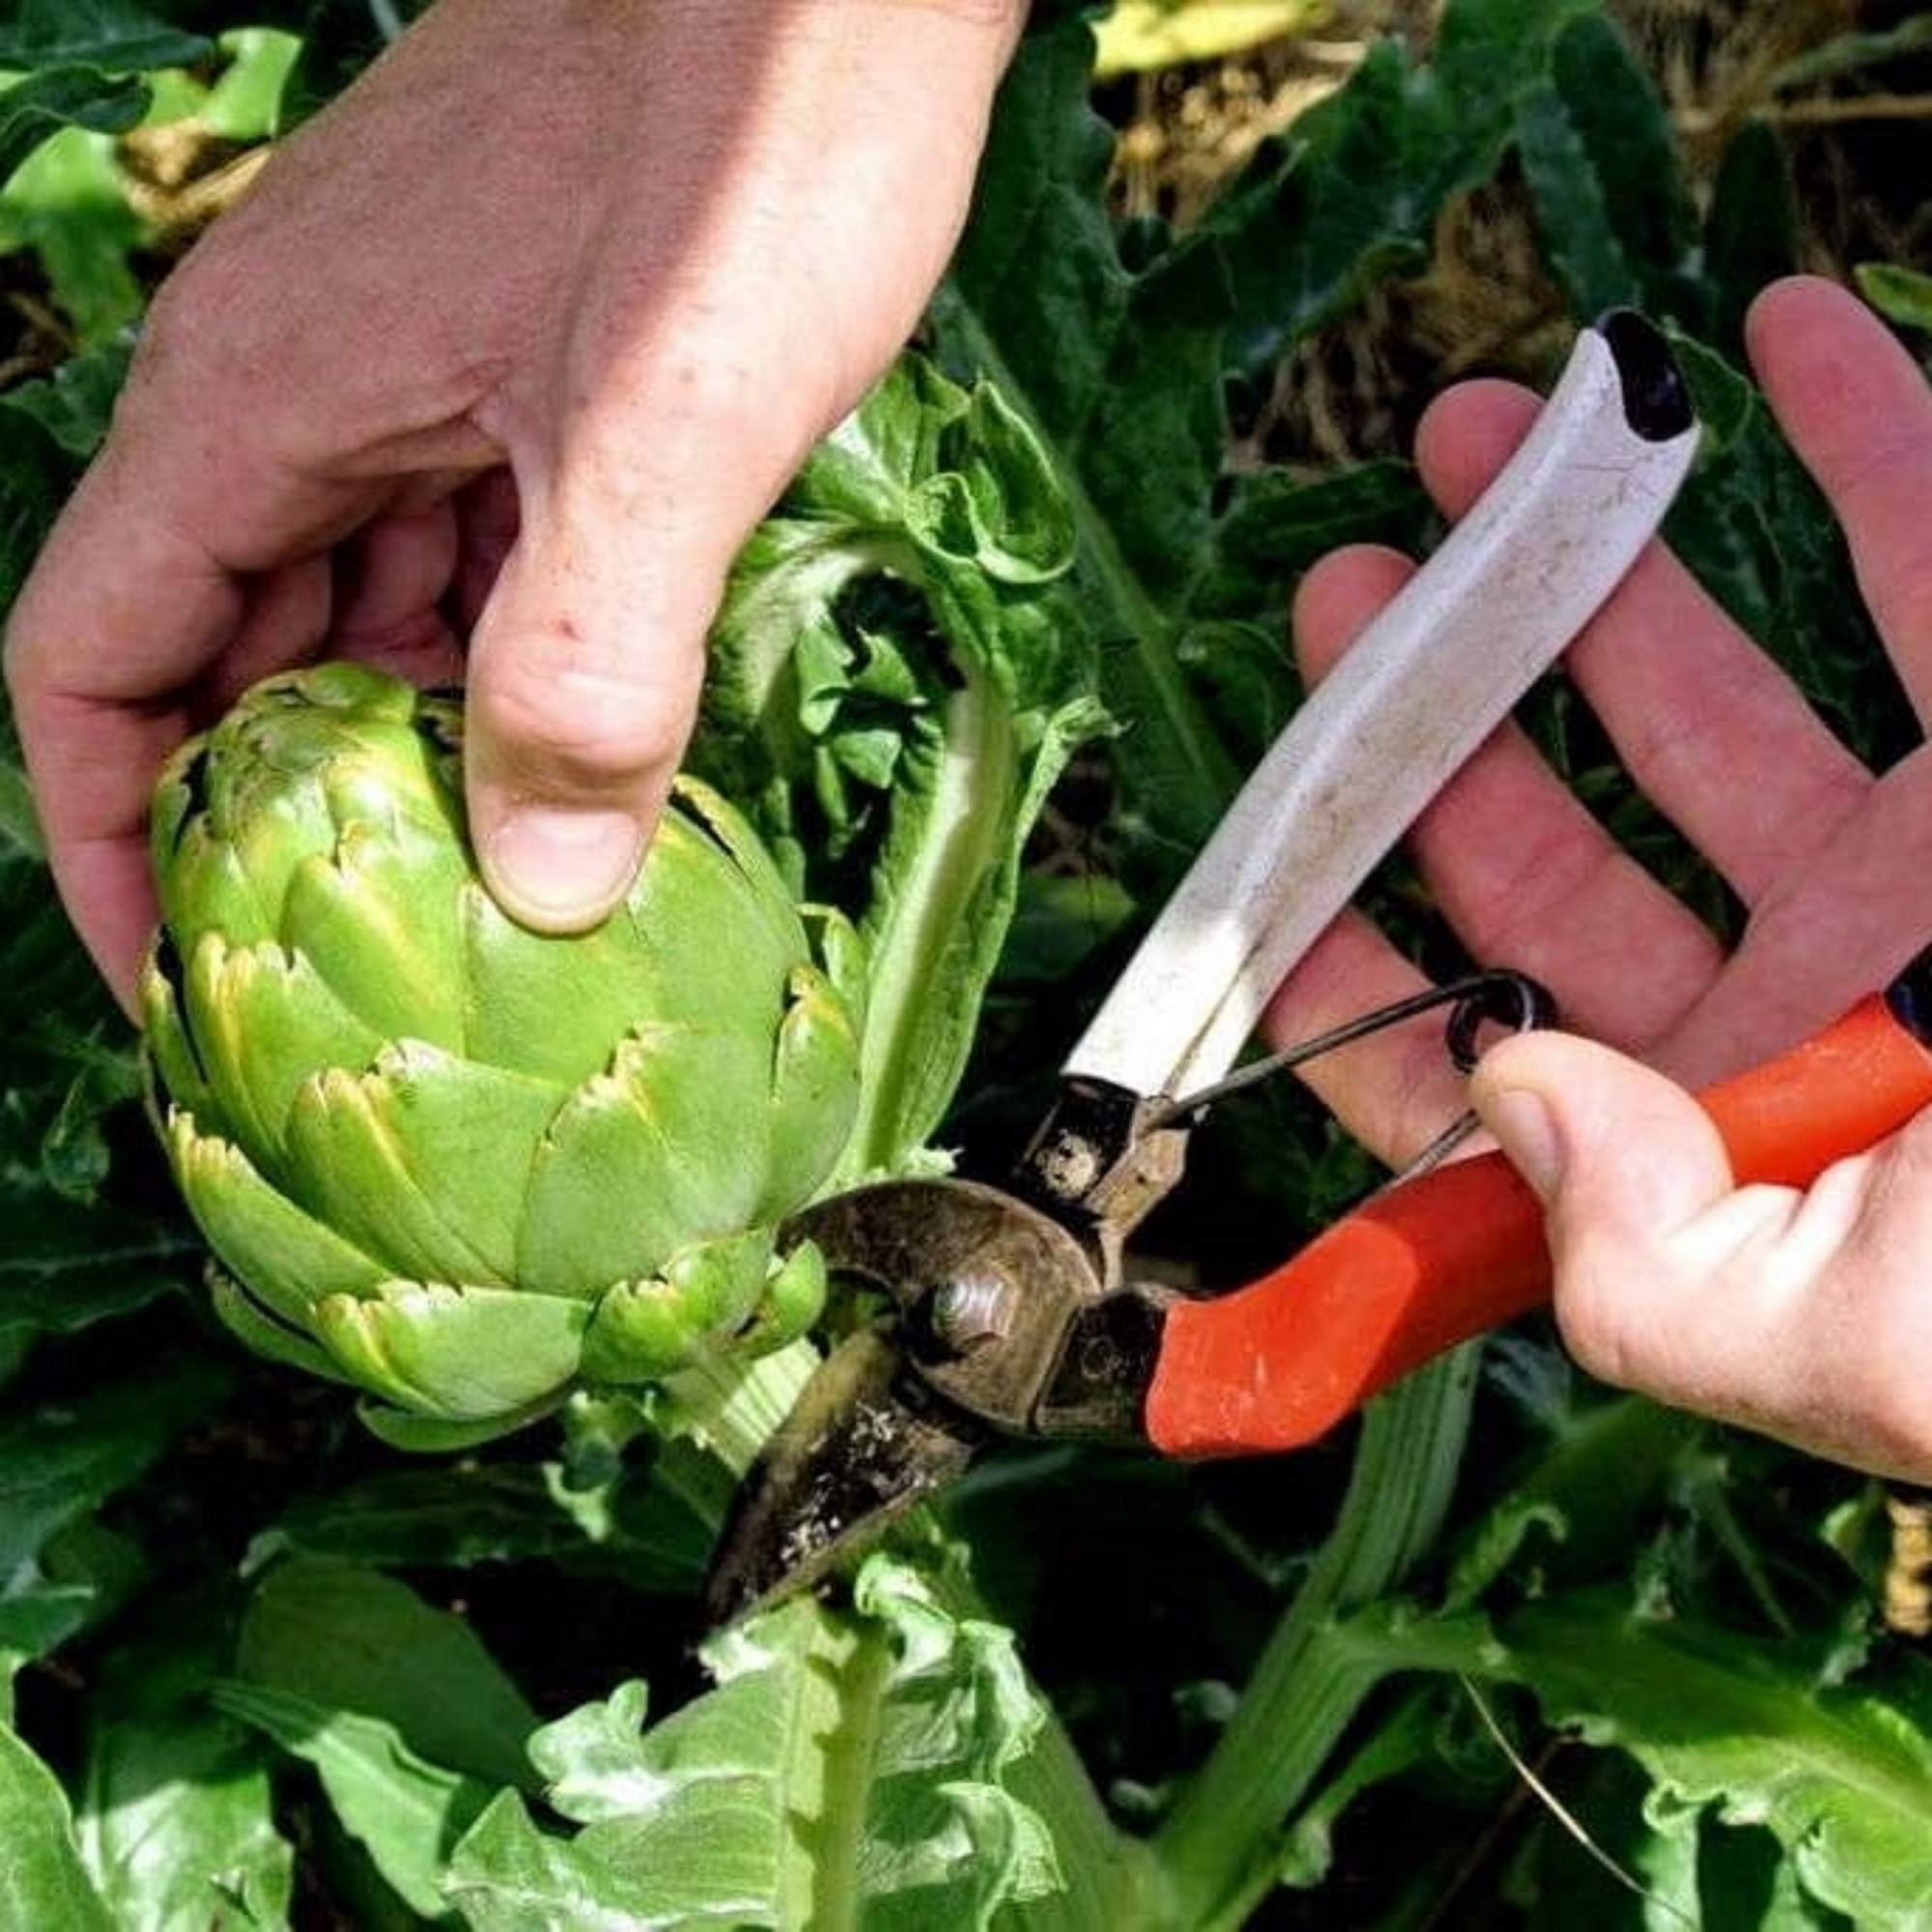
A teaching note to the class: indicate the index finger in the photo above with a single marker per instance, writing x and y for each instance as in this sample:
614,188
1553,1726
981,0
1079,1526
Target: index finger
120,613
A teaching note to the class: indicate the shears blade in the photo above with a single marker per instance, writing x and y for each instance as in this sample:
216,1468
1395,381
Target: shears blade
858,1449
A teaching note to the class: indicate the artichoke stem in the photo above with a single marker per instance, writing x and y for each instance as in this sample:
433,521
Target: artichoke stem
732,1404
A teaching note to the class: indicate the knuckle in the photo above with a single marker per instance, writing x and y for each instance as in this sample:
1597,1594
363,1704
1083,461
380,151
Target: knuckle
1912,1153
188,308
218,321
1599,1323
1888,1409
597,729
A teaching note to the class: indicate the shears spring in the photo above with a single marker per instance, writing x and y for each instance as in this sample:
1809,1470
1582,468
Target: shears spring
1496,997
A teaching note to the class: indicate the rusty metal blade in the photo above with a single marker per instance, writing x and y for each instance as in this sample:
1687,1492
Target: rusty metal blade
857,1451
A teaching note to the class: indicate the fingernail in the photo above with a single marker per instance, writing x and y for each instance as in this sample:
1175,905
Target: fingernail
558,869
1522,1122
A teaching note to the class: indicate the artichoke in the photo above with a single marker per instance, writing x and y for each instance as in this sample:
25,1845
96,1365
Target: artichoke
460,1165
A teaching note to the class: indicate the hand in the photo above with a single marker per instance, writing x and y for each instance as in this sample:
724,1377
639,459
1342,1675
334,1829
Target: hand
534,323
1807,1315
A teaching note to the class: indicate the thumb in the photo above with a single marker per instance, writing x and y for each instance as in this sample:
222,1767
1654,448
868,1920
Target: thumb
1621,1156
586,664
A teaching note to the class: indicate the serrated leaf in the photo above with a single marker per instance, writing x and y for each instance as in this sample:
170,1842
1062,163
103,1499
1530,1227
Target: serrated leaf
843,1771
1611,200
346,1638
1368,169
1841,1777
1582,1497
898,676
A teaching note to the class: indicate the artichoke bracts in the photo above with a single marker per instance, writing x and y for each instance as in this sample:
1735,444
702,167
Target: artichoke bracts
460,1165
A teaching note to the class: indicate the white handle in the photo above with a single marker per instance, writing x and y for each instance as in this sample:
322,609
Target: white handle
1434,674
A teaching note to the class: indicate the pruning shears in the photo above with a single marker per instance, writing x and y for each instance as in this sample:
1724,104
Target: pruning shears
1012,1306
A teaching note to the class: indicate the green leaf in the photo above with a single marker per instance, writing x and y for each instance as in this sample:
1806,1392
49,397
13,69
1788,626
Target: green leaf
114,34
1899,294
64,96
1762,540
1059,921
1580,1501
1750,234
651,1529
1120,370
43,1882
174,1818
897,678
68,204
349,1639
59,1461
1118,378
76,401
1564,1884
406,1812
1841,1777
33,481
1234,645
1602,162
83,1575
1278,524
845,1770
245,103
1353,193
1403,1740
64,1266
74,1155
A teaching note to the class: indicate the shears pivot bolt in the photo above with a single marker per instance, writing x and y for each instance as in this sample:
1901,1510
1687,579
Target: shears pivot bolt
972,1310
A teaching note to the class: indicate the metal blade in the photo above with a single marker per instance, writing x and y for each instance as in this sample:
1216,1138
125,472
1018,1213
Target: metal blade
857,1451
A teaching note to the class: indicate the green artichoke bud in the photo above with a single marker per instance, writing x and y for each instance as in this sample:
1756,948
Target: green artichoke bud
460,1165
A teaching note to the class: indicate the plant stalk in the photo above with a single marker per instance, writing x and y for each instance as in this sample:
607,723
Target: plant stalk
731,1405
1218,1847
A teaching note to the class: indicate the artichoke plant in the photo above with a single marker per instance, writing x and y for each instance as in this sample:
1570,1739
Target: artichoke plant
460,1165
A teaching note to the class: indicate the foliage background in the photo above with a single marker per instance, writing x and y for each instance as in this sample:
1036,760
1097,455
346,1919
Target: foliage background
263,1670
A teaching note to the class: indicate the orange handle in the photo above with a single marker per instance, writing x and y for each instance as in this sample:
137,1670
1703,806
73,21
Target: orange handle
1461,1249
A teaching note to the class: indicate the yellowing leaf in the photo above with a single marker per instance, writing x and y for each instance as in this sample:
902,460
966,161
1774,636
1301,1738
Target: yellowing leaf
1140,35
